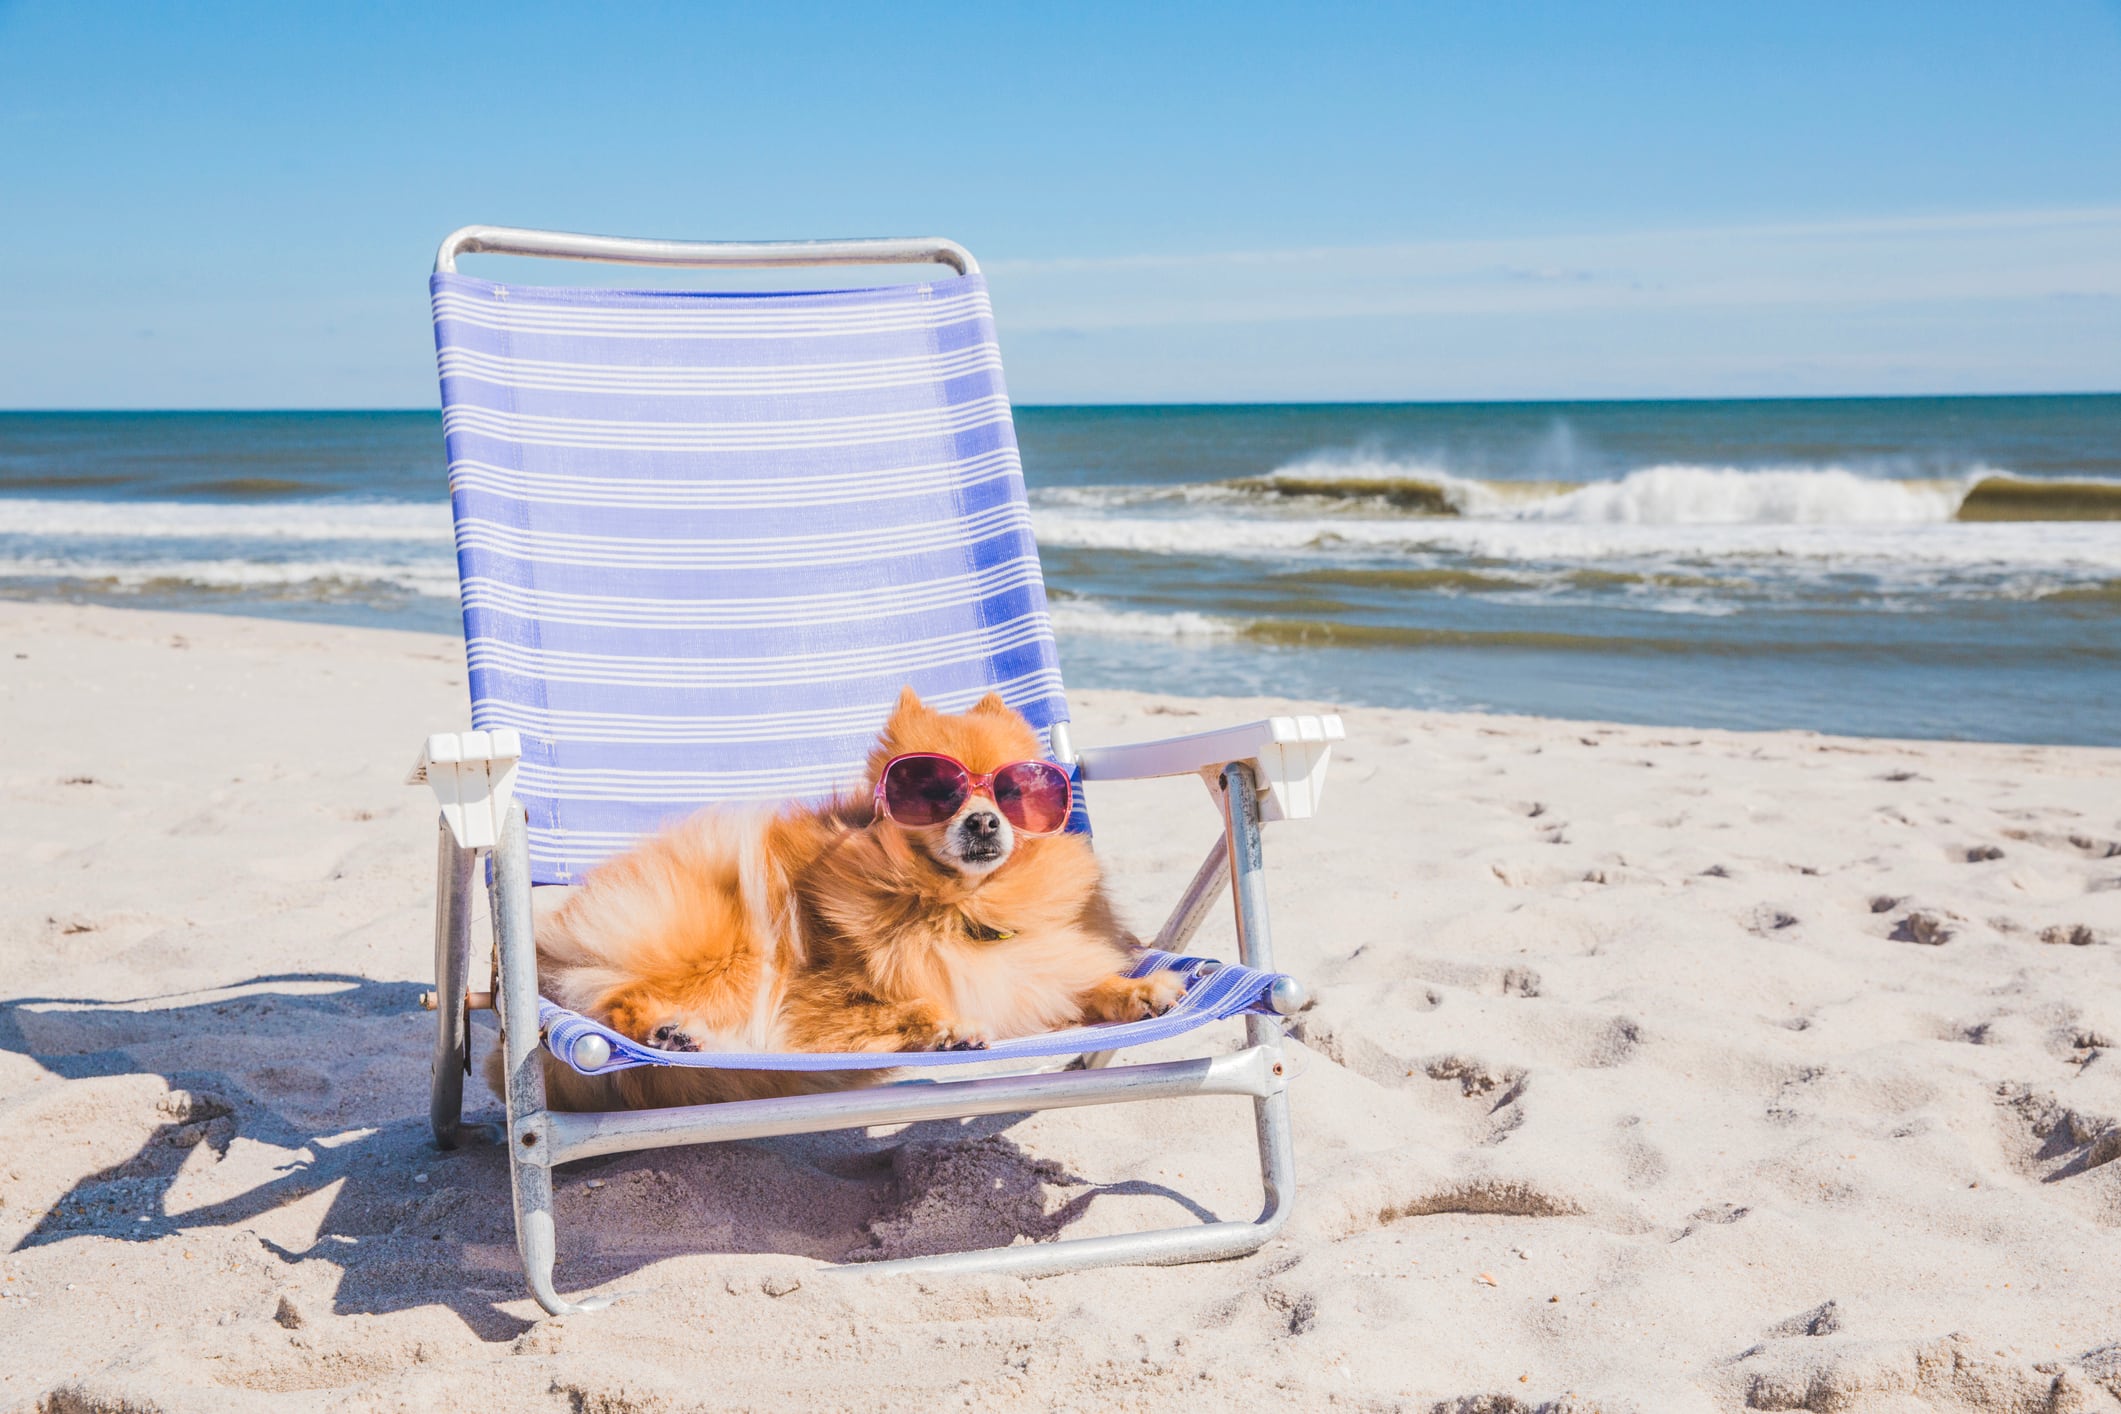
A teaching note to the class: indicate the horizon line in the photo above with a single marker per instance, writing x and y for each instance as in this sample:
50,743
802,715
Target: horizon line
1195,403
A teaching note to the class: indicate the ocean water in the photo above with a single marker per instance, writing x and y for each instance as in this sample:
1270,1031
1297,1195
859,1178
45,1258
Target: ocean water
1945,567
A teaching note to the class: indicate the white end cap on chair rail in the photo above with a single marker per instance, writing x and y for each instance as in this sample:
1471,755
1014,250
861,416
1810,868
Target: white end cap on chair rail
1292,765
473,775
1288,754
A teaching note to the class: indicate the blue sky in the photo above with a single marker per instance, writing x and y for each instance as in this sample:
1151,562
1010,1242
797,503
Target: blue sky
235,206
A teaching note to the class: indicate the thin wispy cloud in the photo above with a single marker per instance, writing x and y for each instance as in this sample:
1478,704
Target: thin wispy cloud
2007,255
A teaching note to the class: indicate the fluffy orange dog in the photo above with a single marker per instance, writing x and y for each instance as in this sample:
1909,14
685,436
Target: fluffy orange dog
847,928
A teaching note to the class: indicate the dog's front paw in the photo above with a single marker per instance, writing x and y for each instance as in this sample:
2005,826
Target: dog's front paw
1161,991
957,1036
672,1037
1125,999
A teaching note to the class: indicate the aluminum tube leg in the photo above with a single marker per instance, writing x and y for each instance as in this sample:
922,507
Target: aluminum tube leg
452,1055
516,997
1255,946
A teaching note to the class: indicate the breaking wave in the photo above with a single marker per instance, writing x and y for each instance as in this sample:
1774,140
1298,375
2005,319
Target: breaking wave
1682,494
317,550
427,522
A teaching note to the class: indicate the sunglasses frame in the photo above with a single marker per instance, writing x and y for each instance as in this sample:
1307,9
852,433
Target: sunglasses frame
975,784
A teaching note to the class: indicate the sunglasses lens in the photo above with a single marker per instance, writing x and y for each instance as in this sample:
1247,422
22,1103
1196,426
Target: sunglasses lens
924,790
1033,795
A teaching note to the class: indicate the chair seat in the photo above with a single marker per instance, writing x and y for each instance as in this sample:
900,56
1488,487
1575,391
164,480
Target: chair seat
1215,990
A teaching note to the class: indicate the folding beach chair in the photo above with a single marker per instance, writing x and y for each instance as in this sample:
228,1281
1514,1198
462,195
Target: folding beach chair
704,540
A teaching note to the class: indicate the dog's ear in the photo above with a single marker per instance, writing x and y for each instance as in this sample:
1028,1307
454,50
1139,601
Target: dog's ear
992,705
910,707
905,714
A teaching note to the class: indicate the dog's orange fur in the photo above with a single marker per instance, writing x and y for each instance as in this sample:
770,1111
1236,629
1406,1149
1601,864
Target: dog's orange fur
827,930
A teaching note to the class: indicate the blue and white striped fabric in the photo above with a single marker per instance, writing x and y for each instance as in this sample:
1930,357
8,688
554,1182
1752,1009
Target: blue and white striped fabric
1214,990
704,539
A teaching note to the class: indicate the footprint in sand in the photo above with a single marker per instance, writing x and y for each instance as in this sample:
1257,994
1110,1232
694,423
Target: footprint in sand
2054,1140
1477,1078
1298,1309
1603,1045
1766,918
1643,1162
1951,1372
2088,846
1823,1319
196,1117
1720,1214
1930,929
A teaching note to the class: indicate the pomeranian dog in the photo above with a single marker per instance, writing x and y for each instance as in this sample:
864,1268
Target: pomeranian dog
941,909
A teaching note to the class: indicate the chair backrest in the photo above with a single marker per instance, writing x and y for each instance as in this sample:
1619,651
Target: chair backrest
704,539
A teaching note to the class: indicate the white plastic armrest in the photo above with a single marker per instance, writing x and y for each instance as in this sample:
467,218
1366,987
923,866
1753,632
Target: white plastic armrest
1288,755
473,774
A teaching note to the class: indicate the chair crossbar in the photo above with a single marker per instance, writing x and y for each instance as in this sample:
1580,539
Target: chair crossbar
1252,1071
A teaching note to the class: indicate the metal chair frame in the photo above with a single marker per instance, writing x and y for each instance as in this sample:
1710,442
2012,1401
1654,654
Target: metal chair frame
1245,767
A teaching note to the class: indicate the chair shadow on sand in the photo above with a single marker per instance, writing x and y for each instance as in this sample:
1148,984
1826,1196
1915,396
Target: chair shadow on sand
329,1072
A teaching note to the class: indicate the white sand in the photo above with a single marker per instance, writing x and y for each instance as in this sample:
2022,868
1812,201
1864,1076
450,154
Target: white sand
1625,1087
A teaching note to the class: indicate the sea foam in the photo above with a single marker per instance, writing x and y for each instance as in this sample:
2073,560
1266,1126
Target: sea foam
2062,547
1089,617
185,520
1706,495
435,579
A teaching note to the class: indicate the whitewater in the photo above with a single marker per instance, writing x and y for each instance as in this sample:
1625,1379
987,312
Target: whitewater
1911,567
1355,505
1767,522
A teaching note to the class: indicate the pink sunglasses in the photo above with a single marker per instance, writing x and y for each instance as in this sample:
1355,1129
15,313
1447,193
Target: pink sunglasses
923,788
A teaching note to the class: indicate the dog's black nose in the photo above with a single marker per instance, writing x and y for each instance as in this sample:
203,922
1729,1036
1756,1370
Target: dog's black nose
983,824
